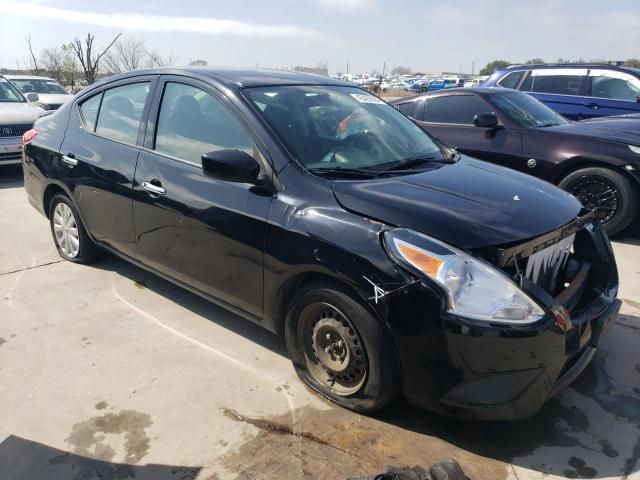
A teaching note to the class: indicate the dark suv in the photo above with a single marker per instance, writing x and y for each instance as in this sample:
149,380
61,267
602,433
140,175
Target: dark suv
576,91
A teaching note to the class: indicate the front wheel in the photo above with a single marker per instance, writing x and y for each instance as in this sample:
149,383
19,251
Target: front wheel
339,349
610,192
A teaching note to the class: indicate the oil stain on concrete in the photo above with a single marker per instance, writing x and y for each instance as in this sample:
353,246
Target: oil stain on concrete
88,437
335,443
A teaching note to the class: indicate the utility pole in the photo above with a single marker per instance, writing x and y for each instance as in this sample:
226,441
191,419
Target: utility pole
384,68
473,67
347,66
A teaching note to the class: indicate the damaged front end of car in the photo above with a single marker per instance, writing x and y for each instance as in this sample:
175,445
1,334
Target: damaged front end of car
520,321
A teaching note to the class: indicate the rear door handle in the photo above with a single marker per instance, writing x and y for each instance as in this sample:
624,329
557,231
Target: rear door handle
70,159
153,189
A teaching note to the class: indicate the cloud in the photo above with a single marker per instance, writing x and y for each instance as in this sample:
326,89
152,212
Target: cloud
346,4
158,23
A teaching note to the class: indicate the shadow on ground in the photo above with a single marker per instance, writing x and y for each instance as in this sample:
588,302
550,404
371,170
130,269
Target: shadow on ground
11,176
22,459
589,431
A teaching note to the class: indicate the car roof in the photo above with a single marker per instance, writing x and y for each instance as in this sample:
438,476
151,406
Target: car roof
602,66
461,90
239,77
28,77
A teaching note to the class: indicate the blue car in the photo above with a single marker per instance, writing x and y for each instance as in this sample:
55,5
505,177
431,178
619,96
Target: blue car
576,91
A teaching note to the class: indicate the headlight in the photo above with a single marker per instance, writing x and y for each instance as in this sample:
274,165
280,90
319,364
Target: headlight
475,289
634,149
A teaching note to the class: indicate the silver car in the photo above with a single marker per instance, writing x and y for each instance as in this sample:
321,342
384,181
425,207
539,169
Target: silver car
16,117
44,91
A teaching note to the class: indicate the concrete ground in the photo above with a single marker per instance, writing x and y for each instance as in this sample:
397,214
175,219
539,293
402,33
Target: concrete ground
109,372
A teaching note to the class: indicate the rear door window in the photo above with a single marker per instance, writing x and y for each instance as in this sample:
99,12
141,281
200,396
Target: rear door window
458,109
614,85
558,81
121,112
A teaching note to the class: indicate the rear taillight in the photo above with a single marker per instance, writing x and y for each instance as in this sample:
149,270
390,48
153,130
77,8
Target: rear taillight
29,135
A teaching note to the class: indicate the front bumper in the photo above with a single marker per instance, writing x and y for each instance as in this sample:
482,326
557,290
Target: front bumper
10,150
459,367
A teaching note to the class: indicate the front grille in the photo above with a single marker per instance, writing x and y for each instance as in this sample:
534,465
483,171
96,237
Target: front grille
14,130
9,157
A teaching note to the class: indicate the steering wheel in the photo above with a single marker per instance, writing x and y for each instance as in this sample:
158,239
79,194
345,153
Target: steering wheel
365,141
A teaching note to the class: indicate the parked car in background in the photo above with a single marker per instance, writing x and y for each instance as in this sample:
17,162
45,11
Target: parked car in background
16,117
576,91
49,94
598,161
307,205
475,82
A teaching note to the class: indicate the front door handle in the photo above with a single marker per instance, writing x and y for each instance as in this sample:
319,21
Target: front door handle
153,188
70,159
595,106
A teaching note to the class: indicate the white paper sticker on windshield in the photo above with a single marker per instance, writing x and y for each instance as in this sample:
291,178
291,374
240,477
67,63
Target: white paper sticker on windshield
3,80
363,98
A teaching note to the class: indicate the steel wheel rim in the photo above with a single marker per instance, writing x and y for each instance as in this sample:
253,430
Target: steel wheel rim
65,229
597,192
333,351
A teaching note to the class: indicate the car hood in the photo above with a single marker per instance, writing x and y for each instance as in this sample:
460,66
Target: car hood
11,112
469,204
53,98
623,128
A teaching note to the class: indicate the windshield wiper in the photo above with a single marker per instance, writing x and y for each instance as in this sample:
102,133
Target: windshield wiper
411,162
359,172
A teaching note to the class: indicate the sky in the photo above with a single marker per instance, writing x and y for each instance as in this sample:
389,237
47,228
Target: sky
425,35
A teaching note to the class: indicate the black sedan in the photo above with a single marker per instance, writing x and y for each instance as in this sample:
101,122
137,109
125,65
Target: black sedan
597,160
388,262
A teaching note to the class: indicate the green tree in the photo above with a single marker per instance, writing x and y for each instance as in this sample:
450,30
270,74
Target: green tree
632,62
493,66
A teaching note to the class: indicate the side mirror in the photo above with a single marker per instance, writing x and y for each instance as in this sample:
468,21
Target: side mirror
485,120
33,97
231,166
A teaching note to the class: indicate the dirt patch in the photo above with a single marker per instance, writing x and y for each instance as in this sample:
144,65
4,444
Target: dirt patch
101,405
2,341
337,444
88,437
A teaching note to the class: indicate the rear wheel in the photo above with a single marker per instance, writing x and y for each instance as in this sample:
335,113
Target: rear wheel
339,349
610,192
69,234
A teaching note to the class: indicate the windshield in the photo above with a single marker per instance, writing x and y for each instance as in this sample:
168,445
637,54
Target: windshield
9,93
341,127
39,86
526,110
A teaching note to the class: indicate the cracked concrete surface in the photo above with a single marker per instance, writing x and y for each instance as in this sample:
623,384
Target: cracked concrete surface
110,372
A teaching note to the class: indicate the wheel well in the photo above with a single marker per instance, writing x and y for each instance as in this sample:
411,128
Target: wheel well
290,287
50,191
583,162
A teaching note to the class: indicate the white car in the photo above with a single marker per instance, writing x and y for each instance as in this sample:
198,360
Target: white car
16,117
42,90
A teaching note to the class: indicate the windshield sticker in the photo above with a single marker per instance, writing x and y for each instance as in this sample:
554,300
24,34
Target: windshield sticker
2,80
364,98
52,83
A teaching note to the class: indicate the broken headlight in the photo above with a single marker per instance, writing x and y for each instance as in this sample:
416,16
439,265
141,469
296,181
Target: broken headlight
474,288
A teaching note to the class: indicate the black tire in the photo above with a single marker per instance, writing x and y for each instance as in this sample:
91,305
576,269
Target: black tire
87,251
621,207
379,385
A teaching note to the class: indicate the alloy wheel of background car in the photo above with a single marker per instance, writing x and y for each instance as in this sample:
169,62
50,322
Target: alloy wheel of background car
333,350
608,191
65,229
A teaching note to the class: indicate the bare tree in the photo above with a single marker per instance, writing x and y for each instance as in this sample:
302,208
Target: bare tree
34,62
155,59
52,59
89,61
126,55
198,63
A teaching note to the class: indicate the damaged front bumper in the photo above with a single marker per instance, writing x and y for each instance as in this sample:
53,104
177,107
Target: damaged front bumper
479,370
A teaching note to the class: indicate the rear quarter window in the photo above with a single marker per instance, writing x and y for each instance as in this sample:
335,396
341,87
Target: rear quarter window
511,80
89,111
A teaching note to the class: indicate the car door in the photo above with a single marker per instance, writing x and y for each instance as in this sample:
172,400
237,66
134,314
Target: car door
450,118
611,92
99,155
561,89
203,232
